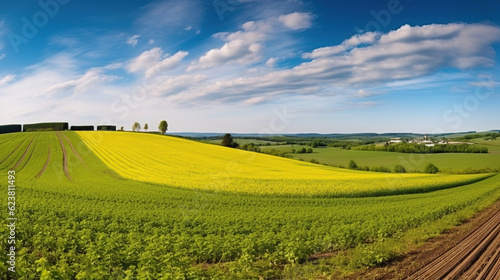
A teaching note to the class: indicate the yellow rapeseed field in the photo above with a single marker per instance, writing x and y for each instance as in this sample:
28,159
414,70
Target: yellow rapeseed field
182,163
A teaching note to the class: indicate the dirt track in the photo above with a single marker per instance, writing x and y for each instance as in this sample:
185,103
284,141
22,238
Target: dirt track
468,251
74,151
475,257
24,154
13,151
65,156
45,165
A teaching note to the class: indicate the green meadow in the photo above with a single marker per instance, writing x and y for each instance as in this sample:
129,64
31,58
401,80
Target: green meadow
412,162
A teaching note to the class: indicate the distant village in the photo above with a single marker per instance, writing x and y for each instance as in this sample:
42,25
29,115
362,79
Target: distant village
428,142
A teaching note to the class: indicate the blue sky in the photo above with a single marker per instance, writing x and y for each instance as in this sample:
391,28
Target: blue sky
283,66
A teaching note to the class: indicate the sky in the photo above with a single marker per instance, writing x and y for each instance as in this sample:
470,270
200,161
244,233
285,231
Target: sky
253,66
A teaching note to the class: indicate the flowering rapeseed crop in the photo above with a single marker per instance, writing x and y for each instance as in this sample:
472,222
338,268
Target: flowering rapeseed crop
189,164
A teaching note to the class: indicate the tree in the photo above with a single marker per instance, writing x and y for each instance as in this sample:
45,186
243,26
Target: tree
227,141
163,127
121,128
136,126
431,168
399,169
145,127
352,164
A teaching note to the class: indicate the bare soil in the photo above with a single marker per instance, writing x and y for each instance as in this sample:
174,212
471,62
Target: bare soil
74,151
468,251
46,164
24,155
65,157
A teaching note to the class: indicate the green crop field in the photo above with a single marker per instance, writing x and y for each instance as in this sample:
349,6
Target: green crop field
454,161
492,145
79,218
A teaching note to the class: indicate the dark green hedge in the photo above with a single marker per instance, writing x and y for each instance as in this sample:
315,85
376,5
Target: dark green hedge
45,126
107,127
82,127
9,128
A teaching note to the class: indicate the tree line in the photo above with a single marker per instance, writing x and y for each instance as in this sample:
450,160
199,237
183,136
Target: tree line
162,127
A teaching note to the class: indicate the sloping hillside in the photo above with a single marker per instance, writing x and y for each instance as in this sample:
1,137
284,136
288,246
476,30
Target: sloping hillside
189,164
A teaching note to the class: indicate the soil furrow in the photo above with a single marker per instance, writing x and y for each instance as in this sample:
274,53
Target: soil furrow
31,154
13,151
65,157
474,255
74,151
24,155
46,164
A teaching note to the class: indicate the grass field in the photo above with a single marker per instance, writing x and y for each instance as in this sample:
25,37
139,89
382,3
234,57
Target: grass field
337,156
79,219
492,145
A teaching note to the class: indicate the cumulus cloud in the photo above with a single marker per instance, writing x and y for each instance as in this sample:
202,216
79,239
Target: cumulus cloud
133,40
154,61
296,20
364,60
237,51
246,46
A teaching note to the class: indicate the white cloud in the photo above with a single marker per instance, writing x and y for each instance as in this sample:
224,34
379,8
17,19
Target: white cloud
254,100
2,56
364,60
354,41
6,79
486,84
234,51
133,40
296,20
169,85
270,62
167,63
145,60
364,93
151,41
153,61
246,46
86,82
166,17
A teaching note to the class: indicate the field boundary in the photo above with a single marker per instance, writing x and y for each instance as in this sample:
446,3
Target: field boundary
65,157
